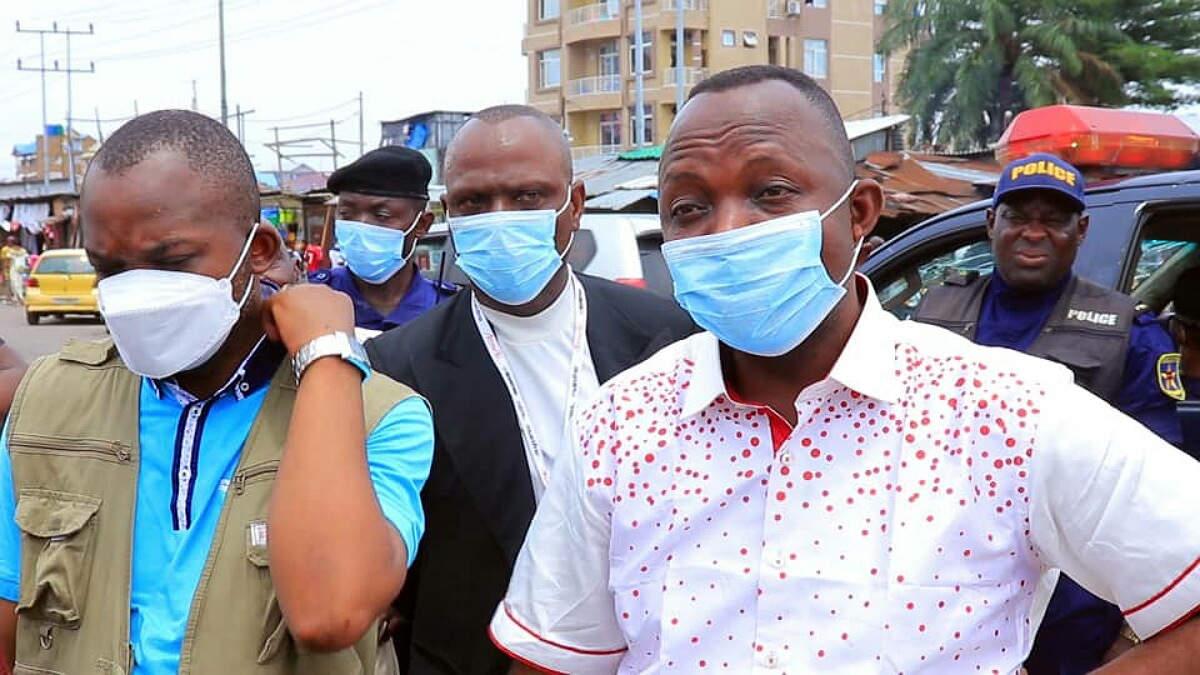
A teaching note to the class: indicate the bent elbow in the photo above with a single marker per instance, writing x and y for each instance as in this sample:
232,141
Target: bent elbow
330,631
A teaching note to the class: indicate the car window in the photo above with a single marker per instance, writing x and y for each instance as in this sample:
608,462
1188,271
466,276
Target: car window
654,266
583,250
1168,243
901,290
63,265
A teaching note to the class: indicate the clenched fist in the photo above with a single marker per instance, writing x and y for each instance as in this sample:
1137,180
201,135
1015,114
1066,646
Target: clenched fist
297,315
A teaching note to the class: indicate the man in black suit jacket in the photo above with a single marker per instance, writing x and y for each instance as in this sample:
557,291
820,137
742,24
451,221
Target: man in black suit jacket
502,373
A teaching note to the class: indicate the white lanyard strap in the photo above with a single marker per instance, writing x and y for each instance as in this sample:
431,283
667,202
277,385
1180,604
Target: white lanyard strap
538,452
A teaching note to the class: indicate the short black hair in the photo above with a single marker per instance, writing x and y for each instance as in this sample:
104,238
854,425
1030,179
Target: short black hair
812,91
1186,295
212,151
503,113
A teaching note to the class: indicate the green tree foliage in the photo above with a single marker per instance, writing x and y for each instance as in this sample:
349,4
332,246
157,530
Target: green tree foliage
971,65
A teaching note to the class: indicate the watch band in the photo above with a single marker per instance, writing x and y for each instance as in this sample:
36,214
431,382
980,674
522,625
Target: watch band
339,344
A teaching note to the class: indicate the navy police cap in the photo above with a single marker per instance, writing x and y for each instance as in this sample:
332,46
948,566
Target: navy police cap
1040,171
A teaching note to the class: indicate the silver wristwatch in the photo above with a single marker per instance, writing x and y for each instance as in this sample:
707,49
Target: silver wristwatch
339,344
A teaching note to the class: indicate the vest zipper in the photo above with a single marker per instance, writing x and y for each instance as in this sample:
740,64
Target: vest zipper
106,450
244,476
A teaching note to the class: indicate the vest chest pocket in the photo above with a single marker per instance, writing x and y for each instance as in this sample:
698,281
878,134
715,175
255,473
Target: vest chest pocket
57,529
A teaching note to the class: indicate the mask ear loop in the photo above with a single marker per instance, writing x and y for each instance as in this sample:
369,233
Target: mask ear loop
570,242
238,265
857,247
409,231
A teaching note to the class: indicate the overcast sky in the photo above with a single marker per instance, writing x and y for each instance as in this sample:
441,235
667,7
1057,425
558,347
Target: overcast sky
293,62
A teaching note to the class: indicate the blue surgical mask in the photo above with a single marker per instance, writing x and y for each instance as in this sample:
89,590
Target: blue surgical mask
509,255
374,253
761,289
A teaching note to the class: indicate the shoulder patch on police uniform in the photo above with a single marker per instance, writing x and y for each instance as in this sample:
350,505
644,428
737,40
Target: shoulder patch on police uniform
1168,376
320,277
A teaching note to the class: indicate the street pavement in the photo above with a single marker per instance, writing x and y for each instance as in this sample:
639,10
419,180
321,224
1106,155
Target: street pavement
47,337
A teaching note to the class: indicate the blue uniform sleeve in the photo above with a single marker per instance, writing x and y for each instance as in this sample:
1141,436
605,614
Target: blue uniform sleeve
399,454
1141,397
10,536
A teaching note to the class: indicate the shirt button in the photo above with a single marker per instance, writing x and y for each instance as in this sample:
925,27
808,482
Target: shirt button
778,562
771,660
786,458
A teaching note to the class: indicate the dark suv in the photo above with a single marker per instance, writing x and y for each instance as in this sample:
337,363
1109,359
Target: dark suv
1144,231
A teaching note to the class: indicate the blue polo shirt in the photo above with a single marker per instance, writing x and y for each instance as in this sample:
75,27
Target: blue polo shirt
189,451
422,295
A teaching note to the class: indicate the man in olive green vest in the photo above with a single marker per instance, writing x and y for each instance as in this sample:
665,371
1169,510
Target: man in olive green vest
225,487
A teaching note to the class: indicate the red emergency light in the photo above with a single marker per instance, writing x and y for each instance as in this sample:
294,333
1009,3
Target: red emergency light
1089,137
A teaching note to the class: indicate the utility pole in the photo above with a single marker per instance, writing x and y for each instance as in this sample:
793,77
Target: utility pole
680,72
195,99
42,33
362,148
99,129
278,159
639,64
239,123
333,141
221,39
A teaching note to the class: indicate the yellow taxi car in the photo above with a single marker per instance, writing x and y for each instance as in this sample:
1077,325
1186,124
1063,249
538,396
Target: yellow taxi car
62,282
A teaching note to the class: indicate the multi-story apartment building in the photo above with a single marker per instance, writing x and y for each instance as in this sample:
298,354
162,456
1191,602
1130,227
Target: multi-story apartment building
29,155
582,57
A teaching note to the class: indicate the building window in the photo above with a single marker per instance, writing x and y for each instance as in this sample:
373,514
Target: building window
816,3
750,38
816,58
610,129
548,9
647,124
647,52
610,60
880,6
549,69
728,38
880,64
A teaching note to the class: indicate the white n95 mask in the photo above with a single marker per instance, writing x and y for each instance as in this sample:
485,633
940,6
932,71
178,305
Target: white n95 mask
165,322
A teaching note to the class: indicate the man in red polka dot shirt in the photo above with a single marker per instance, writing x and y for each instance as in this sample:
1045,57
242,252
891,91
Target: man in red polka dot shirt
813,486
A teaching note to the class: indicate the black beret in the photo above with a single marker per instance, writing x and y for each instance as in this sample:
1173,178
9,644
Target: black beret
390,171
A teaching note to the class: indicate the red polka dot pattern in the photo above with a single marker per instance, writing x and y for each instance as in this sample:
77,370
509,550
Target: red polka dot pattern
878,537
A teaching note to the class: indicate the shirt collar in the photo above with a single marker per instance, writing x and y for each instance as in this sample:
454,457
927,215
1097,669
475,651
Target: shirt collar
866,365
253,373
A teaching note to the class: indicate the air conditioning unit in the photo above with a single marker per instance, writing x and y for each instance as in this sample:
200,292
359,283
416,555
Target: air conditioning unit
794,7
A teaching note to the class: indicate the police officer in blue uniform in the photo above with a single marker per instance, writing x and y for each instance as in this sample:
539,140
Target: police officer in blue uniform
380,218
1184,369
1034,303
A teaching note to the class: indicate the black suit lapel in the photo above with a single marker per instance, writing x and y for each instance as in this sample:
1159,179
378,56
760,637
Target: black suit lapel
478,429
616,343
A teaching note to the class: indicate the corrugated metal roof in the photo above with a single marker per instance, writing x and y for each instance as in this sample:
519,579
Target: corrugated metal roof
604,176
25,149
619,199
639,154
856,129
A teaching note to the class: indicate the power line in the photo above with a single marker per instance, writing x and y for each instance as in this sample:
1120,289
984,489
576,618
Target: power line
301,21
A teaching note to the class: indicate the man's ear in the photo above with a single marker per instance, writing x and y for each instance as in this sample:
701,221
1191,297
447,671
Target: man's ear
991,222
1084,222
264,249
866,203
423,224
578,200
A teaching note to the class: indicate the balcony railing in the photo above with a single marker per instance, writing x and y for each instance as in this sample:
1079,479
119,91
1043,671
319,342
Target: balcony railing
775,9
691,5
601,11
691,76
585,151
599,84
